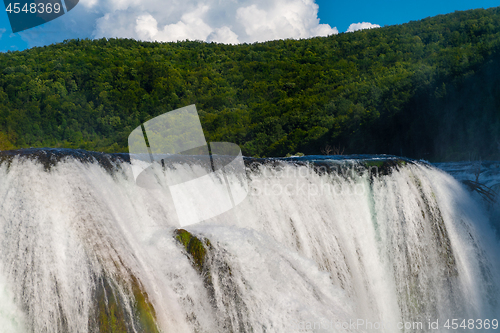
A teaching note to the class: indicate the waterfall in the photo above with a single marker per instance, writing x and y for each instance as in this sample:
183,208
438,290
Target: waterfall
343,249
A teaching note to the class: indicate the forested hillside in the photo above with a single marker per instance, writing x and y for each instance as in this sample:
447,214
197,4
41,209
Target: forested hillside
427,89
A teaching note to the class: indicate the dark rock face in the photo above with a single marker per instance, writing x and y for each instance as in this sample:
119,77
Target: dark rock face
49,157
375,164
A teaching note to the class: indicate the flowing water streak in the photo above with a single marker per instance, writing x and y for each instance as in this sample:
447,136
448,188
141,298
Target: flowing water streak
412,246
302,248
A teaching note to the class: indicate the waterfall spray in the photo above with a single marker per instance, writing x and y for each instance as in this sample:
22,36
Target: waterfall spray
356,246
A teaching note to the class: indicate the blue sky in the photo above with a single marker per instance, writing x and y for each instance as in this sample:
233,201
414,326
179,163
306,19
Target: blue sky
222,20
390,12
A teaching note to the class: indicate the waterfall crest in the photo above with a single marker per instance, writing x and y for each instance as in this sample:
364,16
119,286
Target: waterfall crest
83,247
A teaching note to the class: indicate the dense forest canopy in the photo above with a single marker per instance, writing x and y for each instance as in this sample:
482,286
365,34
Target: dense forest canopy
426,89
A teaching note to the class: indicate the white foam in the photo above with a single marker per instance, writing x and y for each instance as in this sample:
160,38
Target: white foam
301,248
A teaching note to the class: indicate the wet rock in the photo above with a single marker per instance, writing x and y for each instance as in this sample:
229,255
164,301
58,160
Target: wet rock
50,157
116,312
195,247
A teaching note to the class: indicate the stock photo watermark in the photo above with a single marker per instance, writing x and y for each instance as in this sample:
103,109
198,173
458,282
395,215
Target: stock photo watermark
218,180
25,15
429,325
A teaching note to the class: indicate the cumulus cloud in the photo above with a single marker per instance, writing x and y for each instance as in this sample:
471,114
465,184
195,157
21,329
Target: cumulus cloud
223,21
223,35
361,26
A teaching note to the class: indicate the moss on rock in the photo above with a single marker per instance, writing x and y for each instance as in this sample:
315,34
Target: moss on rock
116,313
144,311
111,316
376,163
195,247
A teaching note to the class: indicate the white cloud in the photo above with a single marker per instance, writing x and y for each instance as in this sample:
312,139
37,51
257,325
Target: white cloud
146,26
224,21
361,26
280,19
223,35
191,26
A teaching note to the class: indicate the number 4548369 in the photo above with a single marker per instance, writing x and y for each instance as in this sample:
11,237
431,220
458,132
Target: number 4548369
471,324
33,8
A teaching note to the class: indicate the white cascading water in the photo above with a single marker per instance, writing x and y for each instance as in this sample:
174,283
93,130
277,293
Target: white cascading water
303,253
